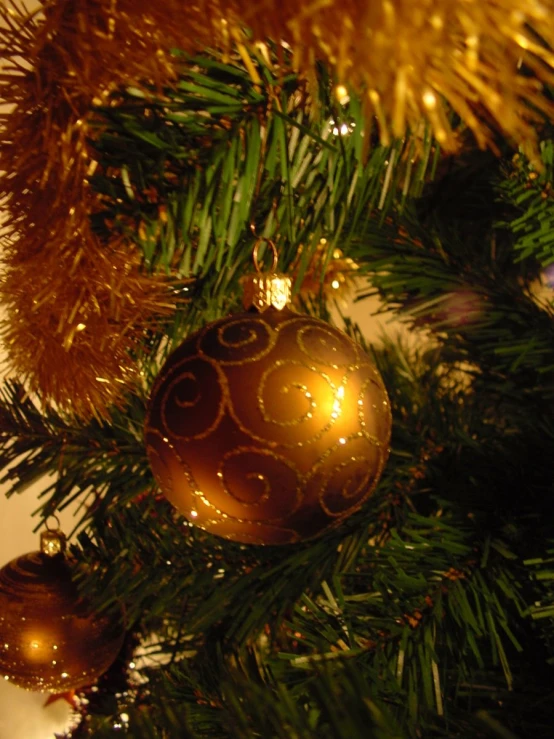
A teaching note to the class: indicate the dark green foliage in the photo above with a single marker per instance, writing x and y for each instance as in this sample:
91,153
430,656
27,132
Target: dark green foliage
219,154
430,613
531,195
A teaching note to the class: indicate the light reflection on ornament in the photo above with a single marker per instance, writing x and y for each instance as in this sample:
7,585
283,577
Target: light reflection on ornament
60,638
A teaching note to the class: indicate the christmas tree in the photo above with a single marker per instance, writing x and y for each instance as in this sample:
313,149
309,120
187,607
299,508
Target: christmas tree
146,153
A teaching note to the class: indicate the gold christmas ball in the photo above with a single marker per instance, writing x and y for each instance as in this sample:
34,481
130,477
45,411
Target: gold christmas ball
268,428
50,640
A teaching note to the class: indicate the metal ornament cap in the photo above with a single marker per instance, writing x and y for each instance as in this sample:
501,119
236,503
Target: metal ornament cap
263,290
52,543
266,291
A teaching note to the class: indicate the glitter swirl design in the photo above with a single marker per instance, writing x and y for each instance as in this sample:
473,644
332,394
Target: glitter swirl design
233,341
49,638
195,387
268,429
325,345
295,402
265,485
343,477
158,458
373,407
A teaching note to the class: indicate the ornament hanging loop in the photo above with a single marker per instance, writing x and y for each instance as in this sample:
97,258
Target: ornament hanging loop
50,527
255,253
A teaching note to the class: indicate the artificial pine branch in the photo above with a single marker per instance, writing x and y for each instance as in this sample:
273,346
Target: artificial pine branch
189,206
461,290
428,612
530,194
73,460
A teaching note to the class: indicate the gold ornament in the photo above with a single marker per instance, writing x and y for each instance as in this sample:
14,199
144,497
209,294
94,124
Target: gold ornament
409,60
268,427
334,277
50,640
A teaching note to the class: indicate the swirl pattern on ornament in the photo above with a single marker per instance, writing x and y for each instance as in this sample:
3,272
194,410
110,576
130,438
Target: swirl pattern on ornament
265,484
268,429
291,406
325,346
197,386
23,569
304,401
372,408
236,341
156,448
344,476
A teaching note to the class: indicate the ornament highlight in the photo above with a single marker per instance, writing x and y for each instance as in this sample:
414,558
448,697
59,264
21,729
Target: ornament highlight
270,427
50,640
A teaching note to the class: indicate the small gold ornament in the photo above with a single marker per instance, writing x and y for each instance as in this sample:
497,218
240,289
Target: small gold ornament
50,640
268,427
335,278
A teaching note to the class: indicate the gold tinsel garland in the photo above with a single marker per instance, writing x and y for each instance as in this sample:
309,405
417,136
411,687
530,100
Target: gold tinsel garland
76,305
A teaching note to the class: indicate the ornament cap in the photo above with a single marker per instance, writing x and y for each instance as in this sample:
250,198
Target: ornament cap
52,542
263,290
